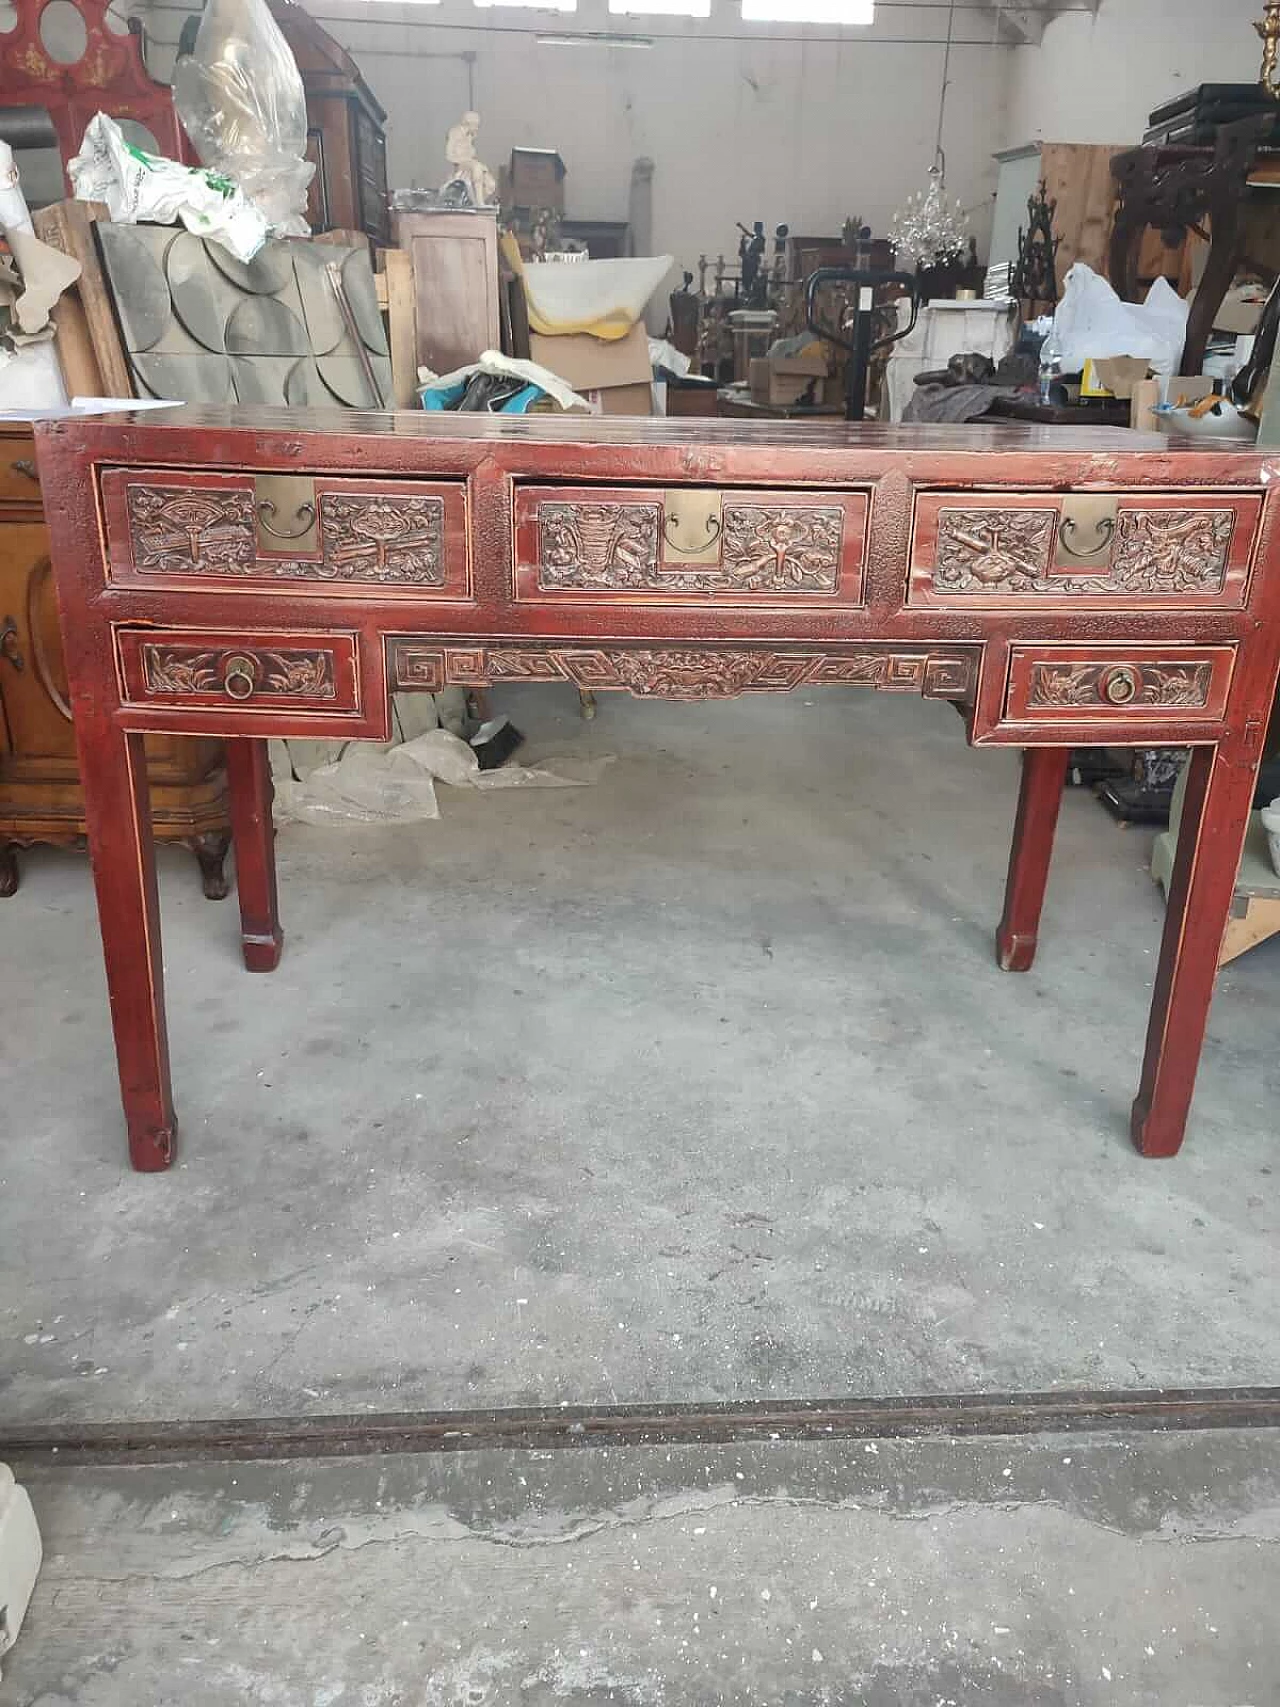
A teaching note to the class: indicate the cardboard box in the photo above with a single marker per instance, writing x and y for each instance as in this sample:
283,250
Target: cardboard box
1112,376
786,389
592,364
624,399
536,178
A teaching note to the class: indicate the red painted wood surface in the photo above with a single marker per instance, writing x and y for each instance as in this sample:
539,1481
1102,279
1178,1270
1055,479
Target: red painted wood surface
1044,773
109,76
249,782
1183,646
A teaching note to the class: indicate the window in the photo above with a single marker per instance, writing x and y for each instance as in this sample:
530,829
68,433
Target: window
662,8
845,12
537,5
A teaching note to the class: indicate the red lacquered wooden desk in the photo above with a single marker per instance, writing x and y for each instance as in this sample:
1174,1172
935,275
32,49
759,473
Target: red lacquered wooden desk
249,574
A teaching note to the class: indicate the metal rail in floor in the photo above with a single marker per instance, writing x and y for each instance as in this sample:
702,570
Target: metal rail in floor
568,1426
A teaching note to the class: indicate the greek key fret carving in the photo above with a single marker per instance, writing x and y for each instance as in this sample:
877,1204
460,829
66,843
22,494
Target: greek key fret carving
686,672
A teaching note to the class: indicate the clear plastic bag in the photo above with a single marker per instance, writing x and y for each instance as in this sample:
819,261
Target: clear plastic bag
240,98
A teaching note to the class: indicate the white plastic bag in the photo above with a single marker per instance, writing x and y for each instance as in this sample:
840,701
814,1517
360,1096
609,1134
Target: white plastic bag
241,101
1092,323
139,186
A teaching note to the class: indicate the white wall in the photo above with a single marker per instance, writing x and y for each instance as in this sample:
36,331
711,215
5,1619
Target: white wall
802,127
1095,78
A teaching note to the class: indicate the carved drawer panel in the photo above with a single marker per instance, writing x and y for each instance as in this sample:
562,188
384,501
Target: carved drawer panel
1120,684
233,674
317,533
689,546
1021,549
683,672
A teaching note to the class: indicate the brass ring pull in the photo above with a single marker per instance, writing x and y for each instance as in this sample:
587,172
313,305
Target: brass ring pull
44,673
240,677
24,465
9,644
1120,685
1105,527
714,529
305,513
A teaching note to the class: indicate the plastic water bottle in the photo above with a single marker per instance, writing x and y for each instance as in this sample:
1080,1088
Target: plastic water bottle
1050,365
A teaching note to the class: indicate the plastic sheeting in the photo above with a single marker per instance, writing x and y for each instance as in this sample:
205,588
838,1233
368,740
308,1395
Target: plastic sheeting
605,298
138,186
1092,323
239,95
356,782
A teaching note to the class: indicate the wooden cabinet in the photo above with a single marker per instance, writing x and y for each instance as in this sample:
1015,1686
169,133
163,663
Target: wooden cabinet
345,131
40,795
455,283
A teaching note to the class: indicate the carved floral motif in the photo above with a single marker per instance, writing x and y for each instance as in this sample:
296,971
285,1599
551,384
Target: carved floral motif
1011,551
302,675
380,538
985,550
617,547
177,531
1171,551
377,537
1172,686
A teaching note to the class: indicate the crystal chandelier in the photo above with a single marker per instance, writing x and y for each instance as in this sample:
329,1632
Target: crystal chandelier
927,227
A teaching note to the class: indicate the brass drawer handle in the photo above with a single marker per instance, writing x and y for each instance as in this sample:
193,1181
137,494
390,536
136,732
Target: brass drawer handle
1104,527
305,513
1120,685
671,522
9,643
240,676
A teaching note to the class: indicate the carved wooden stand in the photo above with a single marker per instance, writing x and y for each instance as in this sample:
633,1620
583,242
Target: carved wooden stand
260,573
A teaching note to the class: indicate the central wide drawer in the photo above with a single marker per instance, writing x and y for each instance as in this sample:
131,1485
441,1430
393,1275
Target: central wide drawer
689,545
1004,550
319,533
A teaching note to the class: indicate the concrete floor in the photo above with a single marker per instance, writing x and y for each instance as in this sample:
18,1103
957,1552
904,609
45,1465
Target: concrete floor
698,1083
1061,1572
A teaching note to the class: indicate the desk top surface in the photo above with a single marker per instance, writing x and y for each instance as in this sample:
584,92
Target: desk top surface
1008,436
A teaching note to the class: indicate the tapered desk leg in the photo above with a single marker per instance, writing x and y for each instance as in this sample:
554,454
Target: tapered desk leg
249,785
117,810
1215,816
1044,771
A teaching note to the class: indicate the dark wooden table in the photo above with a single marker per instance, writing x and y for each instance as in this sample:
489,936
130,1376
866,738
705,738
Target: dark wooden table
250,574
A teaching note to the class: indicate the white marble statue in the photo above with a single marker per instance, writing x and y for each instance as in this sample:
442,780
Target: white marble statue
468,172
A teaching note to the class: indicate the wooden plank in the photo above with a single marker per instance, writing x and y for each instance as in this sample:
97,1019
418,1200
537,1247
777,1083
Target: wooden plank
342,239
1260,920
402,326
1078,177
88,343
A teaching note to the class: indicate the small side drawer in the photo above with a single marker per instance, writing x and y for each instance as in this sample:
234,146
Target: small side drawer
229,673
689,545
1005,550
1122,684
321,534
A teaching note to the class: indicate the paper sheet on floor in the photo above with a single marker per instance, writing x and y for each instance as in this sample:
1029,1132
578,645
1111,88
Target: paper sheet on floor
362,783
